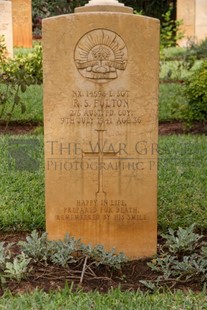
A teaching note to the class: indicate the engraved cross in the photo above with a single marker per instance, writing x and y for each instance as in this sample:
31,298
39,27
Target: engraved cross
100,155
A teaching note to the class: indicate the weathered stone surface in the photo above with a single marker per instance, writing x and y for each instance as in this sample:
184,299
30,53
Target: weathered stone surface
193,13
100,116
186,13
22,23
6,25
201,20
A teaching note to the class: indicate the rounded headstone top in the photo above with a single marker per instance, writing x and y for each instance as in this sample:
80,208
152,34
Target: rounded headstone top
104,6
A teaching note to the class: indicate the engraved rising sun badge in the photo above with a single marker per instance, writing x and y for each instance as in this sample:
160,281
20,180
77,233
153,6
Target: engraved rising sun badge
100,55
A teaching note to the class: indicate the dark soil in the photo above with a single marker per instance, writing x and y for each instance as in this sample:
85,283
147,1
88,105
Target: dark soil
18,127
165,128
170,128
102,278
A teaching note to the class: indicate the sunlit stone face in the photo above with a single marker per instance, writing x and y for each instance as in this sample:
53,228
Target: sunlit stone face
100,110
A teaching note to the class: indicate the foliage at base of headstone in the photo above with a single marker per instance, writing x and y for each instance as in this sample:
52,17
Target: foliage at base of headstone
16,74
68,251
37,249
181,259
18,269
13,269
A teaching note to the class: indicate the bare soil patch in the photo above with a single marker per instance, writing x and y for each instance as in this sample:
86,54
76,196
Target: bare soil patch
165,128
170,128
18,128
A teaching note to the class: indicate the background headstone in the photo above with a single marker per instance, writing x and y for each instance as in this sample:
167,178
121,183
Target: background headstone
6,25
22,23
201,20
194,16
100,118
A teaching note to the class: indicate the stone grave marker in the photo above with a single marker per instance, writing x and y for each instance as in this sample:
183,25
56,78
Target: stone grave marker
101,128
193,13
6,25
22,23
201,20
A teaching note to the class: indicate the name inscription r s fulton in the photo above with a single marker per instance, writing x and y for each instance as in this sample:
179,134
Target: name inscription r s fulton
100,109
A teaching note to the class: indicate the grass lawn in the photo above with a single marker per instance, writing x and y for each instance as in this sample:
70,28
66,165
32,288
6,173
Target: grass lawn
177,69
33,99
114,300
182,190
170,95
34,108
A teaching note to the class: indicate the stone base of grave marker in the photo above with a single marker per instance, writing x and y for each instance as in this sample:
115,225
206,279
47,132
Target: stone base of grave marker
100,110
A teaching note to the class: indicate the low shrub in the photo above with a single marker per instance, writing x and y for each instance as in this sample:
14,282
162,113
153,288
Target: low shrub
197,50
181,259
196,94
30,63
16,74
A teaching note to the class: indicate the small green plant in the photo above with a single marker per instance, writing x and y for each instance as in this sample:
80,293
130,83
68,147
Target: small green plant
18,268
204,251
67,251
5,254
5,257
35,246
102,257
173,268
197,50
164,266
63,252
3,50
170,30
194,266
182,240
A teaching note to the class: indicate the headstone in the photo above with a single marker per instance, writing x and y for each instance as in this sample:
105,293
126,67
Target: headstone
201,20
100,118
6,25
22,23
193,13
